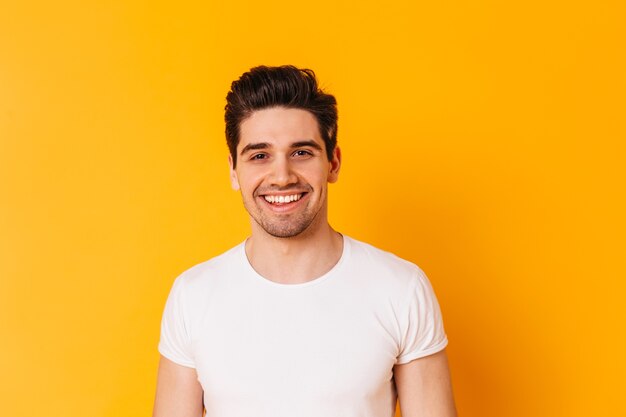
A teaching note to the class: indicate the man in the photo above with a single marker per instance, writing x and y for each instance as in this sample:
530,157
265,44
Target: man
298,320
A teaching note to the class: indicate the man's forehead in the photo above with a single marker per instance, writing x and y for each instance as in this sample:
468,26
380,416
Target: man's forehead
279,127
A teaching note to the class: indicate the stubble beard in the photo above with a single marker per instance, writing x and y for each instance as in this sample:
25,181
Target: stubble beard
286,228
289,225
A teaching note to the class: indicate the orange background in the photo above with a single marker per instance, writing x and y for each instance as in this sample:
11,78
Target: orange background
482,140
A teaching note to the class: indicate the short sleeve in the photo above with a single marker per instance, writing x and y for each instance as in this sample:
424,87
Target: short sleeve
421,323
175,340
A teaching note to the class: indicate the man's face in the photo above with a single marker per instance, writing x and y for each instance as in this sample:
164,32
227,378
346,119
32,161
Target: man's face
283,171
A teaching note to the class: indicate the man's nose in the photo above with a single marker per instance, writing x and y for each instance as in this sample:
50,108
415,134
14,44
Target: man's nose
282,173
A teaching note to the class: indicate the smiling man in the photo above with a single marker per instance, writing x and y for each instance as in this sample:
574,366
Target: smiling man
298,320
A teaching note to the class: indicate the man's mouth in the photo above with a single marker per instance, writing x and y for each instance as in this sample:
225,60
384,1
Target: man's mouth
282,199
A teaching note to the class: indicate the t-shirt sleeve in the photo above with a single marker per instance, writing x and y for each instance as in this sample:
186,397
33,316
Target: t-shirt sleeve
175,339
421,323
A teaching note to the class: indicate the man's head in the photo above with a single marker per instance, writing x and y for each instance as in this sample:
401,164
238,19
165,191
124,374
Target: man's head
282,131
285,86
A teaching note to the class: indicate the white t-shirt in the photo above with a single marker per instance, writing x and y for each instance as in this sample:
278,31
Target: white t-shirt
323,348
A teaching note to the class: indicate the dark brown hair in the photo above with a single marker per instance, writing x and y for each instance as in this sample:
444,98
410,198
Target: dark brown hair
285,86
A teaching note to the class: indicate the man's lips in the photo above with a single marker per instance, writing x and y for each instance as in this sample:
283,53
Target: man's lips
283,201
285,195
282,198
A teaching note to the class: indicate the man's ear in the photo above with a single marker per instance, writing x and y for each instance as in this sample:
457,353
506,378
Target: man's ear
335,165
234,181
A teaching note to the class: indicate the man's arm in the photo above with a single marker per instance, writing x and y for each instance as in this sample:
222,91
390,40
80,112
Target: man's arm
424,387
178,394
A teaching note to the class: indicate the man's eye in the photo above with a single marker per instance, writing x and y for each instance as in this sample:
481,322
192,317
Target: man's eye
302,152
259,156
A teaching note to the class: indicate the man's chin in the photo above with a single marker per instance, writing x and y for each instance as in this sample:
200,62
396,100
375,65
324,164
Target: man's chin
285,231
284,234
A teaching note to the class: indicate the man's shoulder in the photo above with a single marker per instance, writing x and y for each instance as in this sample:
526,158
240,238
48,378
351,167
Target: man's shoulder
213,268
379,262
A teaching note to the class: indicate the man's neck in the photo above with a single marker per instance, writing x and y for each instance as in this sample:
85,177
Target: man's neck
296,259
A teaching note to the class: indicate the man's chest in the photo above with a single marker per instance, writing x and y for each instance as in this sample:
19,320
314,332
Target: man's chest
306,348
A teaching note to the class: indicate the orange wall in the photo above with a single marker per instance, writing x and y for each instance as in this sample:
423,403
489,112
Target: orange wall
482,140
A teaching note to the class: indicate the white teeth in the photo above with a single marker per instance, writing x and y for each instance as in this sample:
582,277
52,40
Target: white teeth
282,199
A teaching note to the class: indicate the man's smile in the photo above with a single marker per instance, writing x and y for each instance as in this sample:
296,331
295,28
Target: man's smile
282,199
282,203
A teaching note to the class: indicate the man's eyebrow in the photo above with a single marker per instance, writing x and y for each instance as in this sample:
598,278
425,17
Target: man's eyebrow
254,147
304,143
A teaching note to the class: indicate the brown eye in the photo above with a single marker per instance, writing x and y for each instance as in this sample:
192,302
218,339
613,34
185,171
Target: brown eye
302,152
